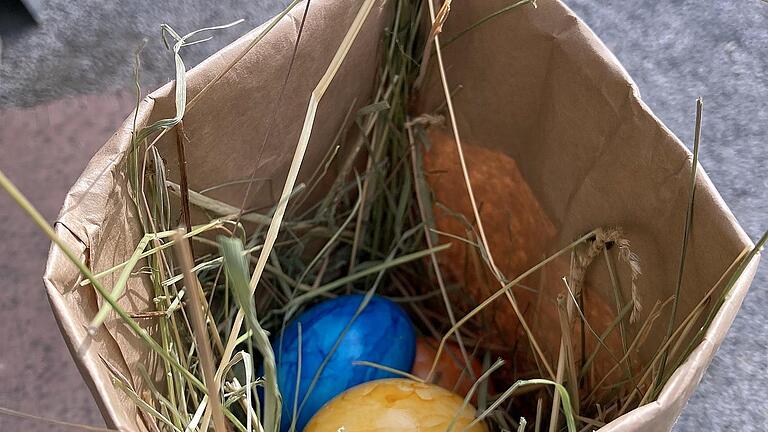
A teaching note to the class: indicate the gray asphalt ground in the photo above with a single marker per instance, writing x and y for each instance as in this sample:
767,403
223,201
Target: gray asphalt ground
675,51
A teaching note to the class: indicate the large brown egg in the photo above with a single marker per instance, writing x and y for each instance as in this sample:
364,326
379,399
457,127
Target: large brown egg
520,234
518,229
395,405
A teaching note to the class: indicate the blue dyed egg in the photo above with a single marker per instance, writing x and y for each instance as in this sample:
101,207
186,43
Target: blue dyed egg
382,333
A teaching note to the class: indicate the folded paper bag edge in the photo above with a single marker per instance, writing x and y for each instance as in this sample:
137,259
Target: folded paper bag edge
83,209
660,415
94,372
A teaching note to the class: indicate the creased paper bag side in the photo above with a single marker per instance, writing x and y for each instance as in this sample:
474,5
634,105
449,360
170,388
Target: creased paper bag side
538,86
226,128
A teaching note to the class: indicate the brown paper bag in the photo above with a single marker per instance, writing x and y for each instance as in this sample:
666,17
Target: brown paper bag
537,86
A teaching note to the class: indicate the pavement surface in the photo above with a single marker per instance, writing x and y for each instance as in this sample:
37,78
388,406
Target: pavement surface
65,86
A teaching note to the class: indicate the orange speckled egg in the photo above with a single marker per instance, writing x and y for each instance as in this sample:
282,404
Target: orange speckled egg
395,404
450,371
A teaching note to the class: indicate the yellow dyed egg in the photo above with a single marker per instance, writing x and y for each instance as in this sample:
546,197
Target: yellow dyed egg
395,405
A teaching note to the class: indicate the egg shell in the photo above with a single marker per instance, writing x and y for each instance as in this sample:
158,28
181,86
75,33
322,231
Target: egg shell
520,234
518,229
600,312
450,370
382,333
395,404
